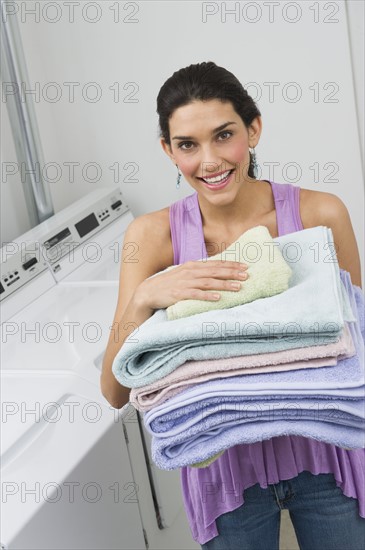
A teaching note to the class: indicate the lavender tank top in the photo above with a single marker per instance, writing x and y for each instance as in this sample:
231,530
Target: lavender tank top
218,488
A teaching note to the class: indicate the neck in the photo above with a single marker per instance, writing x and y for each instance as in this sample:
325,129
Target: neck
251,201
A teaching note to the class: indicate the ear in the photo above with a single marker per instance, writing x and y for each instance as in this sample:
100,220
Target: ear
254,131
167,148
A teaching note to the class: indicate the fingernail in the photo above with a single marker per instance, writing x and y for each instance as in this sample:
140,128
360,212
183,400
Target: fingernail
236,285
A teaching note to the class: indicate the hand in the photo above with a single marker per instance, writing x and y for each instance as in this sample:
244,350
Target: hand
194,280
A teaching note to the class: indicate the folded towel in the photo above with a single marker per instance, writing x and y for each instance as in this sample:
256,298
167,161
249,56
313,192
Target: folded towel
195,372
144,399
309,313
268,272
222,413
168,456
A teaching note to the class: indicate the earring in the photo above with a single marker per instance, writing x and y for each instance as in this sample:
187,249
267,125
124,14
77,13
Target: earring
178,177
254,161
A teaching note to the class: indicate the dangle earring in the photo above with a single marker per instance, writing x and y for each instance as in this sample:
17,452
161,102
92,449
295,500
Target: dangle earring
178,177
254,161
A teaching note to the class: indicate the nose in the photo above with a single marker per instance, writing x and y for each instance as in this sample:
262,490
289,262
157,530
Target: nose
210,162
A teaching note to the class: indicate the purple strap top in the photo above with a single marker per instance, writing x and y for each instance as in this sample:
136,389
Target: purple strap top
187,229
218,488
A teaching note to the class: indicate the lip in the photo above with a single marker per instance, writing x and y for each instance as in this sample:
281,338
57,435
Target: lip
221,185
217,173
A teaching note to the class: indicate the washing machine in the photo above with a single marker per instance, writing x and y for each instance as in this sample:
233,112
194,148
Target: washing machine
59,293
66,478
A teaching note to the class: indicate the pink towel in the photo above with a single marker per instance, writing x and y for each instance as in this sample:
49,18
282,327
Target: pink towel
193,372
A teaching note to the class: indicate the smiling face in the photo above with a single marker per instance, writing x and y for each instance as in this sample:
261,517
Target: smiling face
208,138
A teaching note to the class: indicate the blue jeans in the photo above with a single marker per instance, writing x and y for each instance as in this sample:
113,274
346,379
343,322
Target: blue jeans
322,516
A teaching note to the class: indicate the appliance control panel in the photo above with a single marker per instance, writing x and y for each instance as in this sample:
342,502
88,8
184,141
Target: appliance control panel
59,241
21,262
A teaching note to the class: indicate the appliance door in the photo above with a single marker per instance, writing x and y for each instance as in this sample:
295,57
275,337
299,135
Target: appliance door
66,476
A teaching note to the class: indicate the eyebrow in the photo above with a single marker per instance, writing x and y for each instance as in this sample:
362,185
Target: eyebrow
213,131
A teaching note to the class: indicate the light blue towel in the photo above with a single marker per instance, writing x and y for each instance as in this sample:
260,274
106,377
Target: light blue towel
311,312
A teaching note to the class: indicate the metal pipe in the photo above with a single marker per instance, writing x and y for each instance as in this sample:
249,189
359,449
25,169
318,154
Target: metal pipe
23,119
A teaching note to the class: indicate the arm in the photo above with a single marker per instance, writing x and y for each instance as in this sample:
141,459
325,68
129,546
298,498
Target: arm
143,238
147,250
327,209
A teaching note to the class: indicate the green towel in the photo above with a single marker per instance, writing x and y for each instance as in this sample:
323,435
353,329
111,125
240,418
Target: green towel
206,462
268,274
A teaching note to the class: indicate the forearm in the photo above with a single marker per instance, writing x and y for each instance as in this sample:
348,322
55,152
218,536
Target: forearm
134,315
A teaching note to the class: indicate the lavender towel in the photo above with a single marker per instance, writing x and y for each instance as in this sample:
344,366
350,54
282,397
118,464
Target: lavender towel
169,455
222,413
159,346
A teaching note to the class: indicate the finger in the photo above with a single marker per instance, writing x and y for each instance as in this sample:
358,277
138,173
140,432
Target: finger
225,273
196,294
225,263
189,271
214,263
217,284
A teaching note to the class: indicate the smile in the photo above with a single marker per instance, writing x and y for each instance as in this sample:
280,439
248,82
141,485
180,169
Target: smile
219,181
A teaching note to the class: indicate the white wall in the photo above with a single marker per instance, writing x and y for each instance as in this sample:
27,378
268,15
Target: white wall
314,53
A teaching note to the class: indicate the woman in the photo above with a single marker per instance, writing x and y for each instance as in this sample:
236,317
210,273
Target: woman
208,124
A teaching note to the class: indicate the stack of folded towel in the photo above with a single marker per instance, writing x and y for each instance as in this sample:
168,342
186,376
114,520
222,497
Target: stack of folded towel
287,363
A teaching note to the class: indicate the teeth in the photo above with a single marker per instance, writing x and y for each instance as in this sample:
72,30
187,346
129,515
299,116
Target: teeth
217,179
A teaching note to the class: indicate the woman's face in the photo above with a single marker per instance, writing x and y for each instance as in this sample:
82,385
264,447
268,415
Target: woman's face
209,138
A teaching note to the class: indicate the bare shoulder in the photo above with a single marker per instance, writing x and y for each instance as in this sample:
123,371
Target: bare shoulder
150,235
320,208
147,249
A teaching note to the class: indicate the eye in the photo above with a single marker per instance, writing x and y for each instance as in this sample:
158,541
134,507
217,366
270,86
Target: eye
180,146
226,132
